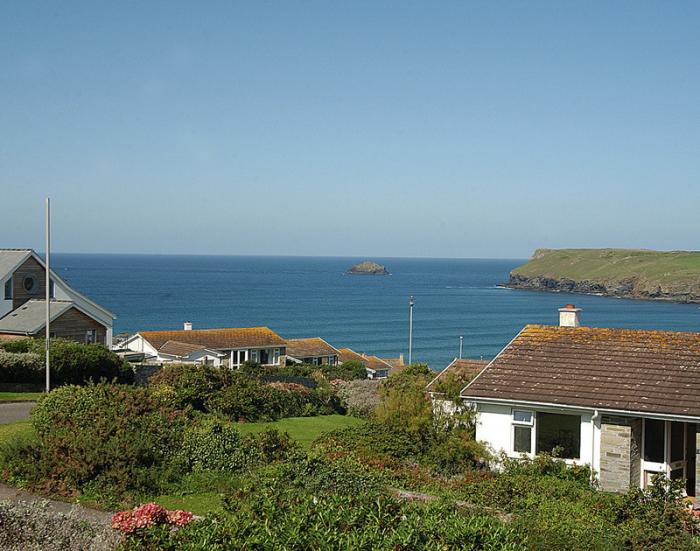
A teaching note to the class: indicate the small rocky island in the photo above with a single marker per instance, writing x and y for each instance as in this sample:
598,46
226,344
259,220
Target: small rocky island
368,268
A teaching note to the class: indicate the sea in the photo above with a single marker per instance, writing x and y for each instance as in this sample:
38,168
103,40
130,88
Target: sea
313,296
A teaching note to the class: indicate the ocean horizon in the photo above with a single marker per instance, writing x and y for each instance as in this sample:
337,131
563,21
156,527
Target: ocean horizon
306,296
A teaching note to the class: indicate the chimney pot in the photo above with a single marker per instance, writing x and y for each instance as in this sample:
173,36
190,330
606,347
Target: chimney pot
569,316
188,326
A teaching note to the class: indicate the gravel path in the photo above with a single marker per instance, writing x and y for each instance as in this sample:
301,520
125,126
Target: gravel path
11,412
8,493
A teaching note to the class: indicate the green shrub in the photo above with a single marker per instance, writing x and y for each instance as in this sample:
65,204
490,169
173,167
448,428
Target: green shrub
278,518
71,363
655,518
360,397
116,436
189,384
247,399
456,453
21,367
210,445
371,441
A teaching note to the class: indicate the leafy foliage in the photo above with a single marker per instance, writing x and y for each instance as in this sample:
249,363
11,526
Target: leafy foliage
114,435
361,397
21,361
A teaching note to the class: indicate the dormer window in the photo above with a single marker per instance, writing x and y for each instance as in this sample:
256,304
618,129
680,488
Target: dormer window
8,289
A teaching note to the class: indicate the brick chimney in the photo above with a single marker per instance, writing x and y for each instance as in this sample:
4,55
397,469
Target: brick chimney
187,326
569,316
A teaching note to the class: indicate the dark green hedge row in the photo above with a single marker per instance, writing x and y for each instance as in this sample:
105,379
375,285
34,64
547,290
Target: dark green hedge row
22,361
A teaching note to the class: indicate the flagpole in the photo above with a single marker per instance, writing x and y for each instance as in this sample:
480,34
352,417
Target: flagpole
48,288
410,330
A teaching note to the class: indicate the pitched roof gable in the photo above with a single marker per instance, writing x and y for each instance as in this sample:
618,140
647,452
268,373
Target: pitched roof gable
371,362
652,372
462,370
30,318
308,348
217,339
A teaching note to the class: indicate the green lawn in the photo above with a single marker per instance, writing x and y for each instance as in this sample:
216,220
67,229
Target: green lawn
18,428
303,429
20,396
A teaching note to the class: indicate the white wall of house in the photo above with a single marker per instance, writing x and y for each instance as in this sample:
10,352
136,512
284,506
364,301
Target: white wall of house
494,426
138,344
202,356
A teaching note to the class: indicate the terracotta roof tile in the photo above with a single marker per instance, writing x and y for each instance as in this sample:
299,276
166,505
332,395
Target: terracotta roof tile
175,348
217,339
463,371
616,369
372,362
309,348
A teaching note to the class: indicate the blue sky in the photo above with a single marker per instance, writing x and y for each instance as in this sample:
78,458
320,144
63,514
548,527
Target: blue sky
465,129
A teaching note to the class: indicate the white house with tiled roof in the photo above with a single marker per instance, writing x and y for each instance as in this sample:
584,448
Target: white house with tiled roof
23,307
624,401
230,346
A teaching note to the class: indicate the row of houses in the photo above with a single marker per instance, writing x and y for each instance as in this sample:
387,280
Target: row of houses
74,316
235,346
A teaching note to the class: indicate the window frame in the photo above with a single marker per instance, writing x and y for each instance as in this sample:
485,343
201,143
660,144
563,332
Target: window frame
524,424
580,435
8,287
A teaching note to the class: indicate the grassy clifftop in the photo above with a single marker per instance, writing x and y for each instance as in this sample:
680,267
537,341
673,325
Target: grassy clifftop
673,275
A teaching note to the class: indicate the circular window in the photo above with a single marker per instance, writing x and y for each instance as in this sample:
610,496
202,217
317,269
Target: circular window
28,283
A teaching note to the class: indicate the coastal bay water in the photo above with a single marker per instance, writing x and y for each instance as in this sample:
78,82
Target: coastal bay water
312,296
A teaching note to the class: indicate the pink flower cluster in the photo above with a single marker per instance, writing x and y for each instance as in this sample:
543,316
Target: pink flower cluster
150,514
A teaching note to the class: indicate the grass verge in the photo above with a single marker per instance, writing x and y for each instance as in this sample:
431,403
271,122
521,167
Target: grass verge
303,429
20,396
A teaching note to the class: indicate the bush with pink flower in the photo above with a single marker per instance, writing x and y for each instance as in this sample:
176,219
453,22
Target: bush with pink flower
151,514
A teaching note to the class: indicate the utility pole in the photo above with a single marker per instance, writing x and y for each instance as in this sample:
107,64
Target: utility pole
410,330
47,221
461,339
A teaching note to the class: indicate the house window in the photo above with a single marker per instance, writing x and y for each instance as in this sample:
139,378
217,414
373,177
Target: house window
91,336
52,289
654,440
561,432
276,356
8,289
523,423
254,356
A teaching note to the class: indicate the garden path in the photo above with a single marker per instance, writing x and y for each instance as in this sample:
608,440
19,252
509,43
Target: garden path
10,412
8,493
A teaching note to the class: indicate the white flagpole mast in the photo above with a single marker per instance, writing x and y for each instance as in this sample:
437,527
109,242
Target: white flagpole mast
461,339
410,330
48,289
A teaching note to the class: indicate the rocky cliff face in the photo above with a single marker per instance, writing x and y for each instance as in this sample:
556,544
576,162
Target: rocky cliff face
623,288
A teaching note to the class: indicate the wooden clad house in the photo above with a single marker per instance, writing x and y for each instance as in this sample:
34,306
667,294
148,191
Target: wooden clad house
232,346
23,306
626,402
